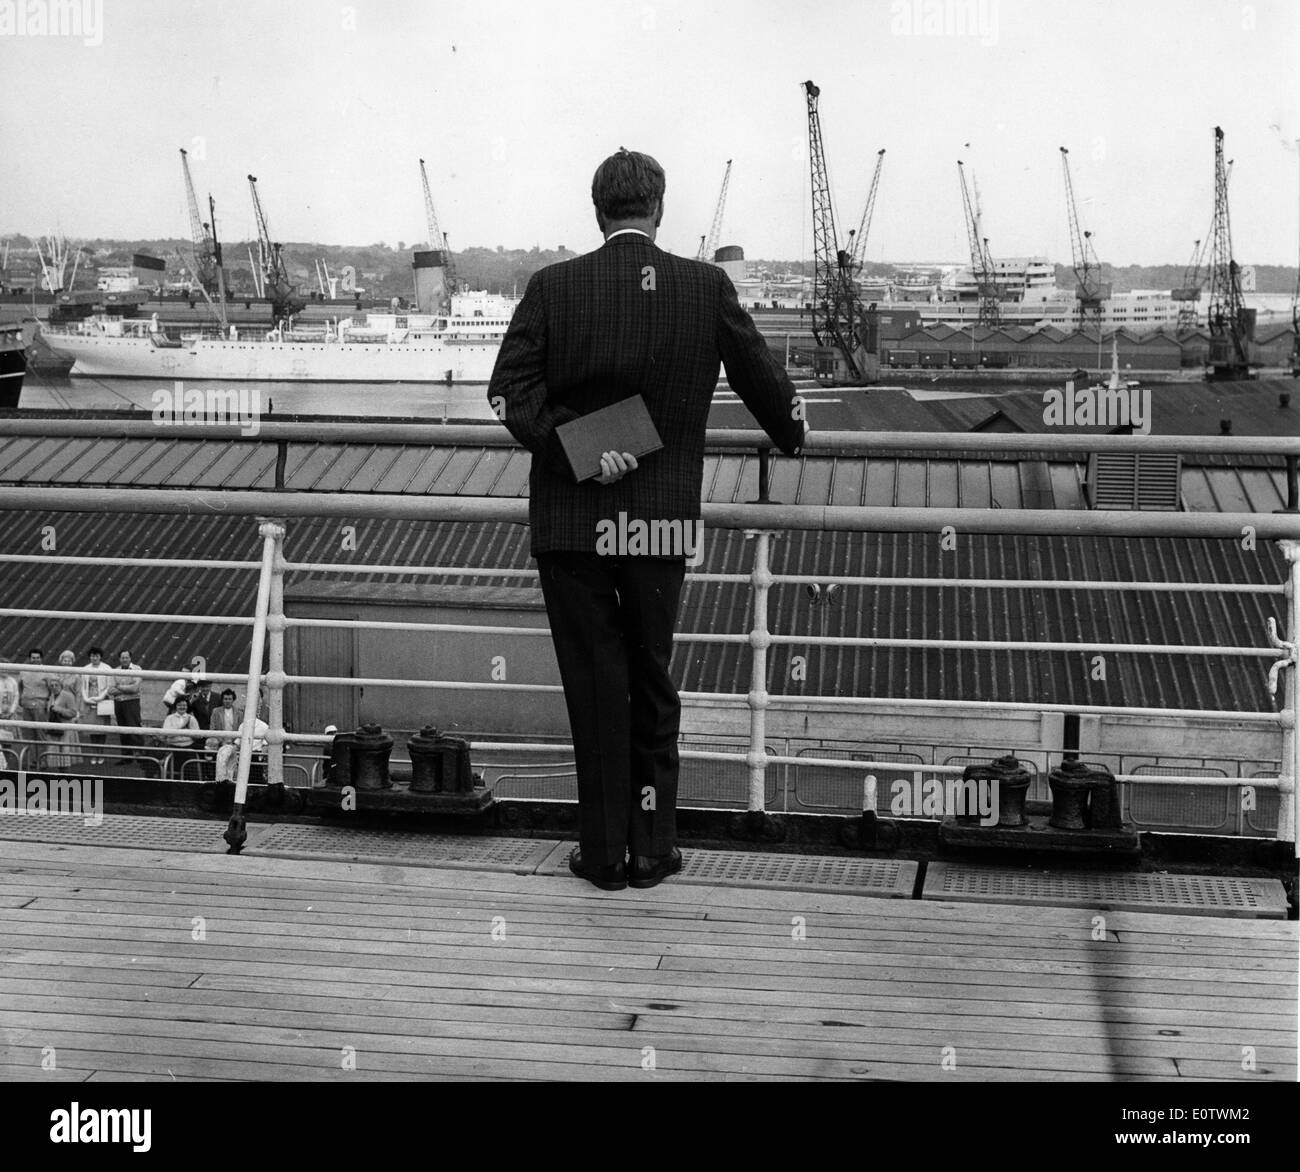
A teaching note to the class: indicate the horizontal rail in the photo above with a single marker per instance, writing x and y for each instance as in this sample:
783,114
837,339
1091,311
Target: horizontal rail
816,579
193,620
168,563
688,754
818,640
492,434
107,669
765,517
776,699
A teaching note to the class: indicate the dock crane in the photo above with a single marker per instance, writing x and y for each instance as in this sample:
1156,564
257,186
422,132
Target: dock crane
858,238
1194,277
437,239
1188,295
709,244
277,287
981,262
1231,324
839,320
1087,268
203,260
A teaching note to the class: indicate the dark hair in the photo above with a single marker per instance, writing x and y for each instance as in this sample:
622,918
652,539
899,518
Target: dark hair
96,651
36,651
181,700
228,692
627,186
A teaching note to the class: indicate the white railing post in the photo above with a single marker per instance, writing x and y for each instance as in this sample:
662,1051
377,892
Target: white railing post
1287,829
237,832
760,639
275,661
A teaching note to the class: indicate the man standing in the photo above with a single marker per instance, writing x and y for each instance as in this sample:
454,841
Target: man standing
125,693
626,320
36,694
201,702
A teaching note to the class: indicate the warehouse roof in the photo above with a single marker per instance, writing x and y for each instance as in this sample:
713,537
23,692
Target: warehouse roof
944,483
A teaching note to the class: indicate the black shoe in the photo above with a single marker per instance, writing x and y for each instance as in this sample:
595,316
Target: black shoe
611,877
649,871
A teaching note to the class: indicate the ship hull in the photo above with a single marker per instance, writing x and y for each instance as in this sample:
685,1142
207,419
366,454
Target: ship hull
213,359
13,366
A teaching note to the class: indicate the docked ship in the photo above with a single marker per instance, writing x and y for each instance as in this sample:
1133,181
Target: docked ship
448,339
13,365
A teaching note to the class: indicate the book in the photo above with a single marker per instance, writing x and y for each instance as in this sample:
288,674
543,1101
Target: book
622,427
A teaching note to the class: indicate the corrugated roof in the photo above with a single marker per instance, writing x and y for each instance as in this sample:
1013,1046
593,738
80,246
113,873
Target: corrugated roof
945,483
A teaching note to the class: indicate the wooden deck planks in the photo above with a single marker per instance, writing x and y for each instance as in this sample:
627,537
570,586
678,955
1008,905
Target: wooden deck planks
302,958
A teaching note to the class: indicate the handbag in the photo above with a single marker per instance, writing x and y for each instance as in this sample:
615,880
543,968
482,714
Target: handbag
104,708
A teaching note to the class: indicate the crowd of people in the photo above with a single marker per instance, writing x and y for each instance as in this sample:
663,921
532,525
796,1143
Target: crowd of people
98,693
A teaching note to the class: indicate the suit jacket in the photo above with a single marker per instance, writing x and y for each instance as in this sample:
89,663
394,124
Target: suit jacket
629,319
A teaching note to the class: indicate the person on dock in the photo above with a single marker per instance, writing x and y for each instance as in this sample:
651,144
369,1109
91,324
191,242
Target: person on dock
125,693
96,704
625,320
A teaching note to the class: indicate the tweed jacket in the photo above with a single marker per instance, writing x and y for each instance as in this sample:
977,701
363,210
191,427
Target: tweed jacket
629,319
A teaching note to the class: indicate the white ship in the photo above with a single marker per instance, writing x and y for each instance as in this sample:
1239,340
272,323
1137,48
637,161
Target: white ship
456,347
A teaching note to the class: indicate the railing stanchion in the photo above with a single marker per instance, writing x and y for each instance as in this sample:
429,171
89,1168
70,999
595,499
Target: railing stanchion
759,641
237,832
275,662
1290,771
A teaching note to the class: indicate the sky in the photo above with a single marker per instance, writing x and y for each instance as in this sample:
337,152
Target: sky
513,103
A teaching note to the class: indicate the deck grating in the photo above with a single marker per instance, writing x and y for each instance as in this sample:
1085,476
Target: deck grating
1197,895
882,878
514,854
126,830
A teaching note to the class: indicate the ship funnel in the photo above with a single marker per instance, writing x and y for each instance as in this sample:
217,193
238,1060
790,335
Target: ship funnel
730,258
431,290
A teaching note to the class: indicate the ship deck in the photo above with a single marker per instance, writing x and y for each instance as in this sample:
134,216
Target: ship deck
144,964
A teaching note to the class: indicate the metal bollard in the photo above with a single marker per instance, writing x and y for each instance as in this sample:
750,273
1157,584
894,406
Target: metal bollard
370,752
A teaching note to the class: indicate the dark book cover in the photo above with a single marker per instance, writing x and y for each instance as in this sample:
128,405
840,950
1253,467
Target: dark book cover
621,427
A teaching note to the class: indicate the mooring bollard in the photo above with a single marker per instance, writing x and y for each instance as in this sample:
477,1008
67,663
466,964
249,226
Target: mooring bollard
1070,783
1012,780
370,752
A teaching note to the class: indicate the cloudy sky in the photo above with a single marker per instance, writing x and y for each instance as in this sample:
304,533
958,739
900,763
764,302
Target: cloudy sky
514,102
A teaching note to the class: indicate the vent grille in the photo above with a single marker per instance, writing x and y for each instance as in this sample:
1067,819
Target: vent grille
1135,480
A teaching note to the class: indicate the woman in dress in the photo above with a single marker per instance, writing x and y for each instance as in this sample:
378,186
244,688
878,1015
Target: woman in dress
96,706
64,707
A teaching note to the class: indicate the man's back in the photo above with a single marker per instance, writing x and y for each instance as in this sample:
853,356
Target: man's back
629,319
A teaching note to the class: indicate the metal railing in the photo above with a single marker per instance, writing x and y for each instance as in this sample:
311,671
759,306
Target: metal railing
760,521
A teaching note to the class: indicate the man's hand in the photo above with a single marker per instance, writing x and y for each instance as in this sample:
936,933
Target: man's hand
614,466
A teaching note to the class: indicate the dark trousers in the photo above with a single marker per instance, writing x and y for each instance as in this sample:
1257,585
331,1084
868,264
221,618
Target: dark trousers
612,622
127,715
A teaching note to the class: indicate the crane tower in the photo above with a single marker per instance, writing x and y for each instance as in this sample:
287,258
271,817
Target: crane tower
839,321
